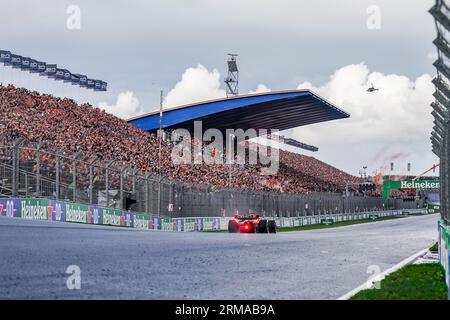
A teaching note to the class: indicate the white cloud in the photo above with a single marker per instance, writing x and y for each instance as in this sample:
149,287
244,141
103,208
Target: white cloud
395,119
196,84
260,88
126,106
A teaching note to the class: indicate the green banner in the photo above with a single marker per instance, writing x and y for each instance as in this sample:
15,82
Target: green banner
409,184
140,221
34,209
76,212
112,217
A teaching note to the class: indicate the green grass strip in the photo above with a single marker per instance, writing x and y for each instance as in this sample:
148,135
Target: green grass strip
335,225
413,282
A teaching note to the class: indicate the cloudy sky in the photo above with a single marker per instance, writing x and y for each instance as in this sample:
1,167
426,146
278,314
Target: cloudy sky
336,48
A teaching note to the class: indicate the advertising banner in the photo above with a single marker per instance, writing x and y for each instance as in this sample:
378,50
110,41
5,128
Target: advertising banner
189,224
76,212
95,215
34,66
127,218
208,224
179,224
50,70
41,68
199,224
141,221
155,223
224,223
35,209
166,224
113,217
16,61
58,212
25,64
5,57
10,208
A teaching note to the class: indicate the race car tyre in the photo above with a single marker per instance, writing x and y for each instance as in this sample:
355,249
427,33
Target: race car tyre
272,226
233,226
262,226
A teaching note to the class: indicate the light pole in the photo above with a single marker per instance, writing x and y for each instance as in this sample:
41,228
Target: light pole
161,100
230,162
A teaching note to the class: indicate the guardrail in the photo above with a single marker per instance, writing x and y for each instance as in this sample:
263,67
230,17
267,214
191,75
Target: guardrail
62,211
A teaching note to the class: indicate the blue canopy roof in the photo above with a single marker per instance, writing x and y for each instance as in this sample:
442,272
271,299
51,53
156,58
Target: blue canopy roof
274,110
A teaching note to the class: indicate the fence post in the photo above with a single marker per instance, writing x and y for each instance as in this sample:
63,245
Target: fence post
15,171
147,207
57,175
26,185
107,181
91,180
38,170
74,176
121,186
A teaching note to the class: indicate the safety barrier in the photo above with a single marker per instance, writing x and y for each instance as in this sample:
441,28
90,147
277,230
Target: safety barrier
62,211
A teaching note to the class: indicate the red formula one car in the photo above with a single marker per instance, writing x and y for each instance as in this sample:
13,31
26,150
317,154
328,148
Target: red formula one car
251,224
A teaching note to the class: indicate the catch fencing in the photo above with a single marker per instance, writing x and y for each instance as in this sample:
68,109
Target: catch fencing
36,170
62,211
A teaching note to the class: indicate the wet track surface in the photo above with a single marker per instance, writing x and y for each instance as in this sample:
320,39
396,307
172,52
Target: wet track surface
119,263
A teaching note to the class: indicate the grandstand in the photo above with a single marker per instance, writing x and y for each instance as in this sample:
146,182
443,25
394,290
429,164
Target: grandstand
74,145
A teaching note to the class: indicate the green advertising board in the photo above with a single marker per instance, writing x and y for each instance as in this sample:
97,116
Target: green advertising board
373,216
140,221
76,212
408,184
327,221
112,217
34,208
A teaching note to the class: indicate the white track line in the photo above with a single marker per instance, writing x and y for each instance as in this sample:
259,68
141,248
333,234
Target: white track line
383,275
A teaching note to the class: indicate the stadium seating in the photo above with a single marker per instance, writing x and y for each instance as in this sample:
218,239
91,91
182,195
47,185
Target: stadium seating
61,123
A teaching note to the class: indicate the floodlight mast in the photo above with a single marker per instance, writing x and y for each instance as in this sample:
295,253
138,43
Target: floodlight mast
232,80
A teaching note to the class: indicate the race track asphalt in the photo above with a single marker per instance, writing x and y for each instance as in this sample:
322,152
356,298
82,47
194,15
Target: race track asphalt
120,263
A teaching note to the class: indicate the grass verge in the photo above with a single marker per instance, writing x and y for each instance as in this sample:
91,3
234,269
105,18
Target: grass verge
413,282
434,248
336,224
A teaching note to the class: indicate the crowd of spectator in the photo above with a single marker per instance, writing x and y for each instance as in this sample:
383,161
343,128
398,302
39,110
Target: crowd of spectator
101,137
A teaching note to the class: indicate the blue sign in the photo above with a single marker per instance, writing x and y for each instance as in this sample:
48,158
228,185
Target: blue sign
50,70
25,64
83,81
16,61
59,75
34,66
10,207
67,76
97,85
5,57
90,83
42,66
95,215
58,211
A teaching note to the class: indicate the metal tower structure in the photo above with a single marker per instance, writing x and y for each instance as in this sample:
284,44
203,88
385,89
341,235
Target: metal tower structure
440,134
232,80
